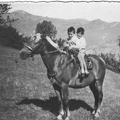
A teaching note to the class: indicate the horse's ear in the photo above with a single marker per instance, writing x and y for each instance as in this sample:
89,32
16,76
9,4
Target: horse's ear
43,36
24,44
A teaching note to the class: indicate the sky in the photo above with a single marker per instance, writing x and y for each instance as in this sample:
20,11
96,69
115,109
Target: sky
106,11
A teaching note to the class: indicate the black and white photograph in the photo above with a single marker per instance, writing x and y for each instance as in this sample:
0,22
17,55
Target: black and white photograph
59,60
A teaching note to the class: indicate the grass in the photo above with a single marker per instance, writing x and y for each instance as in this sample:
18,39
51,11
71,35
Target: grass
26,92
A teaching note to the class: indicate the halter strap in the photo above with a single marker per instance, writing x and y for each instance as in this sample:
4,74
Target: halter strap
34,49
28,47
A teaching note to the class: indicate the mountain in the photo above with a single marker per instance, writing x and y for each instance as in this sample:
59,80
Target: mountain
97,32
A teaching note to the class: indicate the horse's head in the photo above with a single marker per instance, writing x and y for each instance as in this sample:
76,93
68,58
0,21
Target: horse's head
35,46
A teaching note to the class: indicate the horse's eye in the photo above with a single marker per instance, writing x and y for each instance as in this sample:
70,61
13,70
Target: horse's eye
34,38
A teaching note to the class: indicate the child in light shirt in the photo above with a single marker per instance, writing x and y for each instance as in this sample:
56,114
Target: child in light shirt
80,43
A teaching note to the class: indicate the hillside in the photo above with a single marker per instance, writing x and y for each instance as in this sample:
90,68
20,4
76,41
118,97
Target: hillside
97,31
27,94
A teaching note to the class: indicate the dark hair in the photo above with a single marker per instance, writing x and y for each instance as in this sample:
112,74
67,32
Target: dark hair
80,30
71,29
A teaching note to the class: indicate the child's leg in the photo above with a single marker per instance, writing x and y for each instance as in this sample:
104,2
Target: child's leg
81,63
85,66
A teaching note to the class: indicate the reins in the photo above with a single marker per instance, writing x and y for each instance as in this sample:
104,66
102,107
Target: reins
63,67
50,52
52,75
35,48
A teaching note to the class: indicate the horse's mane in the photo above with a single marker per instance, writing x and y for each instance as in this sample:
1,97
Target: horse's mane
51,42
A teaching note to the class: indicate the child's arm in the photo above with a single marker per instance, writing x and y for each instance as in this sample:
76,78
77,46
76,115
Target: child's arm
74,46
73,43
80,44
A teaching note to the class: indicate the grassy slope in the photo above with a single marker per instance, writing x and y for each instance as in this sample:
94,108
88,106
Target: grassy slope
26,93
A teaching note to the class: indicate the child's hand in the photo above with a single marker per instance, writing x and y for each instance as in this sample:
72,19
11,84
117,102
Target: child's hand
66,45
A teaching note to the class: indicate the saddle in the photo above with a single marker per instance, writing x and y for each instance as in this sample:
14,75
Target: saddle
74,53
88,62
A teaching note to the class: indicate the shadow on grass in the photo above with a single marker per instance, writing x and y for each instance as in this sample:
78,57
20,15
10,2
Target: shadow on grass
52,105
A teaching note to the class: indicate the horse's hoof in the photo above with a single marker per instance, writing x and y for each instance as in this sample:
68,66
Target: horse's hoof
59,117
67,118
97,115
93,113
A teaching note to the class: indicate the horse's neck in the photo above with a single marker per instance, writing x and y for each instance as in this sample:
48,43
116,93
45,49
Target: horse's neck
55,60
51,55
51,61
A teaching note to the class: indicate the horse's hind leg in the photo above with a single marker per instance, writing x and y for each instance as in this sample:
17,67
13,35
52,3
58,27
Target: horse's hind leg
96,88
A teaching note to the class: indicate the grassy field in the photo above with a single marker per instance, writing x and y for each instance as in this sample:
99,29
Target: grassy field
26,92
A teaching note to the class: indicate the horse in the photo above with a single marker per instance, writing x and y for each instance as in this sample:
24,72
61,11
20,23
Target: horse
63,73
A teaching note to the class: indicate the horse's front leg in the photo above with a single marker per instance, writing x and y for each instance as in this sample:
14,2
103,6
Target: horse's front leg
60,100
65,95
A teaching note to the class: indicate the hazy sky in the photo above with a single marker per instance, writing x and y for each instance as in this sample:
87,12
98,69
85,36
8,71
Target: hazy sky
106,11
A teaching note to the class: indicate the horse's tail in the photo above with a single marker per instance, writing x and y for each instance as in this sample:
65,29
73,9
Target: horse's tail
98,66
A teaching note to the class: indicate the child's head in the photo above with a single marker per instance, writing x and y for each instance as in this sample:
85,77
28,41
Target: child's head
80,32
71,32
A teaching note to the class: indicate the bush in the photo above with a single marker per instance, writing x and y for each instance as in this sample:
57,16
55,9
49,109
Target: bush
10,37
111,62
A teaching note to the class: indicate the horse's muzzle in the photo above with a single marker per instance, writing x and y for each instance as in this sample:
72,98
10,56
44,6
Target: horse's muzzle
24,55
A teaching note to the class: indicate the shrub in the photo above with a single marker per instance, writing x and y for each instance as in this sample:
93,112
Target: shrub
10,37
111,62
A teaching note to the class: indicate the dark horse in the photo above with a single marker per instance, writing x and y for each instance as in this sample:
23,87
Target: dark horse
63,73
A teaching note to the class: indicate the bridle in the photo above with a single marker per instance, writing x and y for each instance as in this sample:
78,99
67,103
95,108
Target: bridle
50,52
36,47
27,46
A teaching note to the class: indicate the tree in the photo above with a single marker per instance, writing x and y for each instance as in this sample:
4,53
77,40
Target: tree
46,28
9,36
5,20
119,41
4,8
119,46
